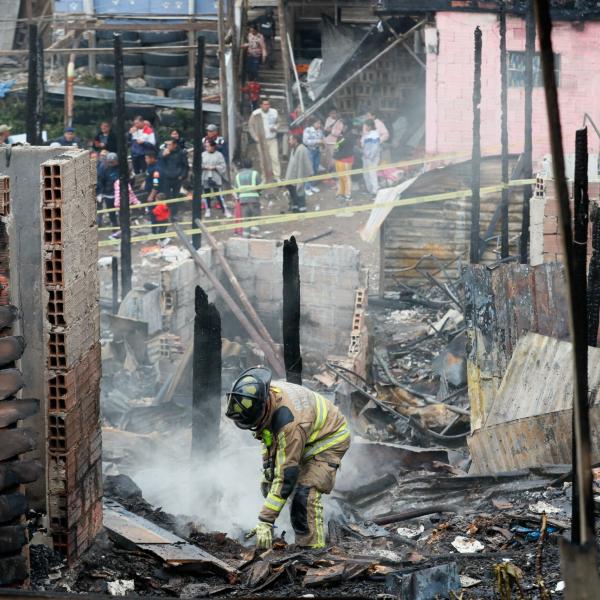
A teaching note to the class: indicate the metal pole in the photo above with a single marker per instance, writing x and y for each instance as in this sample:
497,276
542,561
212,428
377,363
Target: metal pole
115,285
32,87
206,376
583,513
528,144
291,312
504,132
126,271
198,135
222,76
476,153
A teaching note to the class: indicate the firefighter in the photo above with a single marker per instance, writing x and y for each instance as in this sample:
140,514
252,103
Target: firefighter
304,437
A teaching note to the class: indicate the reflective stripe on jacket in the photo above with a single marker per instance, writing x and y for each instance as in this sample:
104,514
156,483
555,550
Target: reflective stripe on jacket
246,180
300,425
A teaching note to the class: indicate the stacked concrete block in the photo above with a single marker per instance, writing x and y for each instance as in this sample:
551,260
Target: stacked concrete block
178,282
70,247
329,278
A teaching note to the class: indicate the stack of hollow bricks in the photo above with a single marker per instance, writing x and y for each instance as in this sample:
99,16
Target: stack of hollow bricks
73,352
546,243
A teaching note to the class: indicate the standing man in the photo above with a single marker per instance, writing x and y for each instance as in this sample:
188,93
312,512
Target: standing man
143,141
105,139
333,129
266,26
299,167
68,138
214,171
382,130
343,157
249,197
304,438
263,130
153,186
256,52
105,186
174,168
313,138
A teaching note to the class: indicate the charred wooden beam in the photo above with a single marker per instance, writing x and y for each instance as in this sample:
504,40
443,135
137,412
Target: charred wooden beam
476,152
8,315
11,381
11,506
13,570
206,374
16,441
593,282
12,411
126,270
291,312
11,349
19,472
583,508
504,131
528,141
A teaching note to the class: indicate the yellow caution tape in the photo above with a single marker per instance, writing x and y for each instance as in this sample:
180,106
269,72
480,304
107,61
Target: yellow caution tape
278,184
346,210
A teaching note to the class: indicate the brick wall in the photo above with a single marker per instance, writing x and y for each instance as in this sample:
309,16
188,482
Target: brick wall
72,322
329,277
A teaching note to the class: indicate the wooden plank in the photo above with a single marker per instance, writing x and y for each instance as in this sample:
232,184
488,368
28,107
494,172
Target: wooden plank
174,550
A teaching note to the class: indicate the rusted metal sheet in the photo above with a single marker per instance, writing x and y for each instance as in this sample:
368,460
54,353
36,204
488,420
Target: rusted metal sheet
529,421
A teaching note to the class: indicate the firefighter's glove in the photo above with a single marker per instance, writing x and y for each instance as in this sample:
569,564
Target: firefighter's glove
264,535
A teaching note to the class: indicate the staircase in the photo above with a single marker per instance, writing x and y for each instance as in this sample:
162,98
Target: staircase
272,80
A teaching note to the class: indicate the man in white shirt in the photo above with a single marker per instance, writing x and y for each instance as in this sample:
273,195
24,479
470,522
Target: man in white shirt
263,129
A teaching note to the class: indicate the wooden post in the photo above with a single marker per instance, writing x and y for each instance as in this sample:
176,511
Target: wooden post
33,134
198,135
282,24
126,271
91,38
476,153
504,251
222,78
291,312
582,522
528,143
69,91
115,284
206,377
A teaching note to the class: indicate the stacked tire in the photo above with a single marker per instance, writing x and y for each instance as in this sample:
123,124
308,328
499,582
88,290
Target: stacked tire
168,68
133,66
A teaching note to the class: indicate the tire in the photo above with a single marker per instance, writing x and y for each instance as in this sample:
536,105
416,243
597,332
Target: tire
168,118
211,61
127,36
211,72
210,36
165,83
165,59
166,71
126,44
129,72
154,38
182,92
129,60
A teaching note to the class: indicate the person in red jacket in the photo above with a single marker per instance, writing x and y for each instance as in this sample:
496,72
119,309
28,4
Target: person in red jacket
161,215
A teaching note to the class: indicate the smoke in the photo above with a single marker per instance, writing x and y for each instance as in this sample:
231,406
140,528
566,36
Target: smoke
219,492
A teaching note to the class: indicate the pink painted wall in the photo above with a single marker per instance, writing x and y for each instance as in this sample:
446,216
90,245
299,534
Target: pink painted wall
450,86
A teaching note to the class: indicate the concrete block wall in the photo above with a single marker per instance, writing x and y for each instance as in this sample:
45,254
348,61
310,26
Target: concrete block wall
72,326
329,277
178,283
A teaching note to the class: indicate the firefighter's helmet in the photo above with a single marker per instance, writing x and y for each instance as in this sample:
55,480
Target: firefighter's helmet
247,400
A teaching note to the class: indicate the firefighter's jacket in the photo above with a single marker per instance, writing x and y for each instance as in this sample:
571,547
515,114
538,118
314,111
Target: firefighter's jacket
300,424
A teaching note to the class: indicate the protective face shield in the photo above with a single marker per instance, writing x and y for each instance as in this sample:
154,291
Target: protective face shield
247,401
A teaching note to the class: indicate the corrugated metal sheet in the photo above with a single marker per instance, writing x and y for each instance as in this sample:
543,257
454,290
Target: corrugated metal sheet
529,422
442,229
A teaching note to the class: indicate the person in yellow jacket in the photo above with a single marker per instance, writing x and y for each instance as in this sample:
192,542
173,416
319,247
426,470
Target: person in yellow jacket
304,438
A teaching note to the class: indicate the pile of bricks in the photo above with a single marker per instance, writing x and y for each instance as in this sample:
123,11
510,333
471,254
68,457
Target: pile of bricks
73,353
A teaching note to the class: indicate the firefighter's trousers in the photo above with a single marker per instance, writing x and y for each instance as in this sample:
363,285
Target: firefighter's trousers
317,477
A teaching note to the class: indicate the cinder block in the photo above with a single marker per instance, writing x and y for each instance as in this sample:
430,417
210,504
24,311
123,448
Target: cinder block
236,248
263,249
